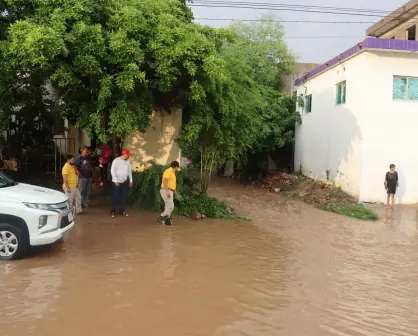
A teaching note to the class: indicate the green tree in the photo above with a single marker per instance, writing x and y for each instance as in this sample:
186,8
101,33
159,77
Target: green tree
240,109
110,61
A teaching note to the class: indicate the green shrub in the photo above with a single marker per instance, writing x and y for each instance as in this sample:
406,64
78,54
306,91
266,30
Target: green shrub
206,205
358,211
145,194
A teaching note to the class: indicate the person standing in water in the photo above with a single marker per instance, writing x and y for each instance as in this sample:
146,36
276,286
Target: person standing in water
70,180
121,180
85,171
168,192
391,184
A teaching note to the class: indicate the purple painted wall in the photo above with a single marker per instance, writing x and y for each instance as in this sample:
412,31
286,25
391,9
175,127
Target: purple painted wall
368,43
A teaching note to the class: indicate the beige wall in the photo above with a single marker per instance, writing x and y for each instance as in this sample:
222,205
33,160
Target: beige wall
76,139
301,69
400,31
158,142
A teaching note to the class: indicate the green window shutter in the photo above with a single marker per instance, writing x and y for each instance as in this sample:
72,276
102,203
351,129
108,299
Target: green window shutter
413,88
399,88
338,94
309,103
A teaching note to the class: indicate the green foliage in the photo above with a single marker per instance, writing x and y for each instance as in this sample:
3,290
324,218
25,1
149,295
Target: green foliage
145,194
300,101
239,110
358,211
205,205
110,61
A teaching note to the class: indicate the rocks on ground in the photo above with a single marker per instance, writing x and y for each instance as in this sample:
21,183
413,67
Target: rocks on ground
317,193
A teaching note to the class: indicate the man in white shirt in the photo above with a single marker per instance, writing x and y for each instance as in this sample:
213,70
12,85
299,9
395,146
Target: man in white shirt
121,179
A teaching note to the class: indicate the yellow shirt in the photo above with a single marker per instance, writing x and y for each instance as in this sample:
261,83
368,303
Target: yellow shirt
170,175
71,175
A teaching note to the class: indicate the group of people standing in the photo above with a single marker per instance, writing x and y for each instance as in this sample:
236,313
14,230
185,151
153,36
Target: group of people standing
79,173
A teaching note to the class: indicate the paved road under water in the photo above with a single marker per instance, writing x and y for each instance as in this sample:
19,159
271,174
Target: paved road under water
293,271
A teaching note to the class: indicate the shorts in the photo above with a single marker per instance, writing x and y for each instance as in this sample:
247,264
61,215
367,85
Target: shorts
391,190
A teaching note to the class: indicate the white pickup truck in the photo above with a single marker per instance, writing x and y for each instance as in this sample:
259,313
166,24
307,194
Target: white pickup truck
31,216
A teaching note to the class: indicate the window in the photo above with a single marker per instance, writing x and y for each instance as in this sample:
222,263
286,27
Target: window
411,33
405,88
341,93
308,103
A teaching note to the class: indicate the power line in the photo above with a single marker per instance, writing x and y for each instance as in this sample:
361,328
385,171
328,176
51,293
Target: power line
361,10
293,8
283,9
286,21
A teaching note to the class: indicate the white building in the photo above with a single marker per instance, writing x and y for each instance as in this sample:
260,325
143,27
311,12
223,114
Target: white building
360,113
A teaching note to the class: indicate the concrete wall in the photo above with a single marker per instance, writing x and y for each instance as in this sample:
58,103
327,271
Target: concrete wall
301,69
75,139
158,142
390,129
400,31
330,137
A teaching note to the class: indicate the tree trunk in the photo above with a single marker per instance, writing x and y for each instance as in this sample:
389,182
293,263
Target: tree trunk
207,164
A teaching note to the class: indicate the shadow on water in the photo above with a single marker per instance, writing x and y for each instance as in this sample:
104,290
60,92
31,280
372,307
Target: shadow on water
294,270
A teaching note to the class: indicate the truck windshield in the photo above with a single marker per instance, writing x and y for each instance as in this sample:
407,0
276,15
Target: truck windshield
6,181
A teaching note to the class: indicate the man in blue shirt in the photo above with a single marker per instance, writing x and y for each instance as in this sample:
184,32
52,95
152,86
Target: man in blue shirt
85,170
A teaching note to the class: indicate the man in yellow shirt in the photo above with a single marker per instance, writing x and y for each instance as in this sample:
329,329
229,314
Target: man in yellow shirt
168,192
70,179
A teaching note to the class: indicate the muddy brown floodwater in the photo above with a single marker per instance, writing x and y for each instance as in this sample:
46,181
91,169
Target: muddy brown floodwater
293,271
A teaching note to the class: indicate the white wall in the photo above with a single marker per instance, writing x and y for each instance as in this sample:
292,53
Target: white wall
330,137
390,128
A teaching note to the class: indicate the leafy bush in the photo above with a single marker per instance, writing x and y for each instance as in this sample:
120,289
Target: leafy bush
205,205
145,194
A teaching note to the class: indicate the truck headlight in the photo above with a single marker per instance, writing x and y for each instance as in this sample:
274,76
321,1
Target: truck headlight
39,206
42,221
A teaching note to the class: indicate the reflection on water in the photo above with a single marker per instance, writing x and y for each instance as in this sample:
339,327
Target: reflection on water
37,291
294,270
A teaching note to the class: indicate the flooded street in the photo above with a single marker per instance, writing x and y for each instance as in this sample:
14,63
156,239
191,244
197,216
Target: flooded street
294,270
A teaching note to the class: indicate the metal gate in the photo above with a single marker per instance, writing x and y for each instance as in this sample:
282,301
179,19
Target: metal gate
63,147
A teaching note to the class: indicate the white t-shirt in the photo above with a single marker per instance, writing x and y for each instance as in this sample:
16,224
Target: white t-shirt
121,170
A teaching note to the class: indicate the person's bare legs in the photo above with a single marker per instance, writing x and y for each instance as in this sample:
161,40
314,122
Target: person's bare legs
393,200
387,201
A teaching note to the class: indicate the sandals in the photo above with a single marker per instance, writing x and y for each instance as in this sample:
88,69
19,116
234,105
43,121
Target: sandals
124,214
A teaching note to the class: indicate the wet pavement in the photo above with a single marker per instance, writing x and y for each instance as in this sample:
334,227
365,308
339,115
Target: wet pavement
294,270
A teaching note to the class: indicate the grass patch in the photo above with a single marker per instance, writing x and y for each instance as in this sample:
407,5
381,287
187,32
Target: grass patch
358,211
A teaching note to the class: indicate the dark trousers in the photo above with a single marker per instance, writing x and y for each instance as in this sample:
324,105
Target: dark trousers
84,186
119,196
103,172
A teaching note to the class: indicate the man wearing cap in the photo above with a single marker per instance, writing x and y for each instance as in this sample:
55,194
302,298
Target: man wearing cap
121,179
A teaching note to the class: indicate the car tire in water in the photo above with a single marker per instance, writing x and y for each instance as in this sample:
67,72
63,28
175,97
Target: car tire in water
13,243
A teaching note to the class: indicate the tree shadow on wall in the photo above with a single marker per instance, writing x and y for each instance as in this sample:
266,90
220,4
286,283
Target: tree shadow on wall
158,143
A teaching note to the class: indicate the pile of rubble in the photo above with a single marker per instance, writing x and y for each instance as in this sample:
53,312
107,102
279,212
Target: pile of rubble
275,181
313,192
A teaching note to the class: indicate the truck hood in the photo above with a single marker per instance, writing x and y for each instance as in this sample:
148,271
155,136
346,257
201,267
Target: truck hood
27,193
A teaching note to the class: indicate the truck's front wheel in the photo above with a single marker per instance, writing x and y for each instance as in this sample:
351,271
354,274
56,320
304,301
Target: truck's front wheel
13,244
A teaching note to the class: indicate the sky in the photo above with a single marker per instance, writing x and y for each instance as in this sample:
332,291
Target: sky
309,50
